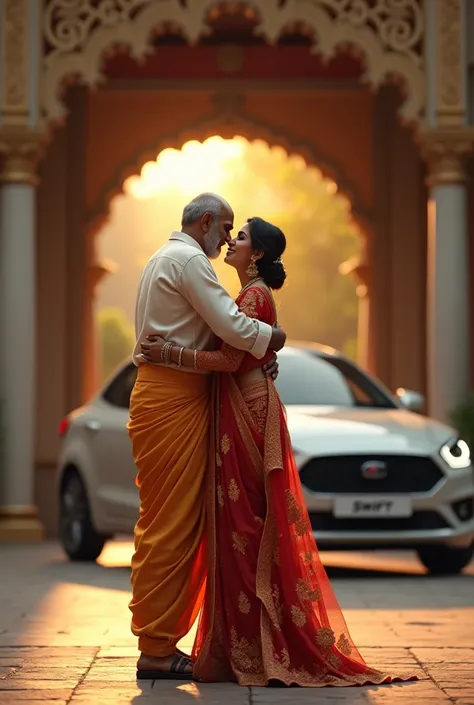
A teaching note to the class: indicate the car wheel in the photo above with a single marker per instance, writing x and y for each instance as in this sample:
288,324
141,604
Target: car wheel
78,536
445,560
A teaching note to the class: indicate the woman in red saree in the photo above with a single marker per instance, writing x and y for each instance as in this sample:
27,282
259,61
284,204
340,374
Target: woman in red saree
269,613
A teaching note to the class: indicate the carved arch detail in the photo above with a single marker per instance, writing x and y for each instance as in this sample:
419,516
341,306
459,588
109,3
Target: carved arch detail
387,34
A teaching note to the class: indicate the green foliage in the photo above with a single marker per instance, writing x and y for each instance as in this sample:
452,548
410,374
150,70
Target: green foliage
462,418
116,339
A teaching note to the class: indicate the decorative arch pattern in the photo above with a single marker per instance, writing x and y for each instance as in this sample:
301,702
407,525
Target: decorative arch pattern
388,34
242,127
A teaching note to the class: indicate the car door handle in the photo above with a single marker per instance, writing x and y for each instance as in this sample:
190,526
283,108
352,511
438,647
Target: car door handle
93,425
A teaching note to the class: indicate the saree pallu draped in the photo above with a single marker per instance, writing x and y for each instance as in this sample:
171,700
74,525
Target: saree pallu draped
269,613
169,429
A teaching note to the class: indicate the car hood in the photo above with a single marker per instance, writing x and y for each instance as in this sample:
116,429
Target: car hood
324,430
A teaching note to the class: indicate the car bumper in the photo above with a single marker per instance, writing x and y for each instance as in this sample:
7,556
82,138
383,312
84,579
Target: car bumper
397,540
435,519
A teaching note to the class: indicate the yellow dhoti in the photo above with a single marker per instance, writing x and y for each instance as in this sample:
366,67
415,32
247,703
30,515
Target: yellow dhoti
169,429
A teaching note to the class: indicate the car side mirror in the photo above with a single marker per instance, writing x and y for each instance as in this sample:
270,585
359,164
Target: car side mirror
410,400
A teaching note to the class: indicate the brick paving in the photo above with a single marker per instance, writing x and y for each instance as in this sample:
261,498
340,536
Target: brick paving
64,634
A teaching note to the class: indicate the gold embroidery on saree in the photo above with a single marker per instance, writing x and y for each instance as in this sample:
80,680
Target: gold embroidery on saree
277,617
251,302
280,668
239,542
344,646
302,526
298,616
244,603
293,509
325,637
233,491
285,658
256,399
220,495
296,514
246,655
306,593
273,451
334,660
254,662
225,444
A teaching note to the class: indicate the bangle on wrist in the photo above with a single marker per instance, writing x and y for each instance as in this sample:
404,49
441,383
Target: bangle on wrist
195,360
166,352
162,354
170,353
180,357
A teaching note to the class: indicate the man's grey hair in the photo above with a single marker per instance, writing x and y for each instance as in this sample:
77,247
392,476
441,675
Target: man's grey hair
204,203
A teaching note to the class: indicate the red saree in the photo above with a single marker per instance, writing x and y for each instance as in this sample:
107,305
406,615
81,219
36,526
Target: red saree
269,612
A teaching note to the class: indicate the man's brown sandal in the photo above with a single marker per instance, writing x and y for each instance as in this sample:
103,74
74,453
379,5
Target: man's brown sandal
177,671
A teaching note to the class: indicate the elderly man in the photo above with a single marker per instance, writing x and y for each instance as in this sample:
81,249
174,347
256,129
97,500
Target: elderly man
180,299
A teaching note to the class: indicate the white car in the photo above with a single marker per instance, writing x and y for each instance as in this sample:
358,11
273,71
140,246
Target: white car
375,474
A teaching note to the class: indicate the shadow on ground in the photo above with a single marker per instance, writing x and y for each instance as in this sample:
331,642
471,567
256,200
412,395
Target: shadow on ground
353,574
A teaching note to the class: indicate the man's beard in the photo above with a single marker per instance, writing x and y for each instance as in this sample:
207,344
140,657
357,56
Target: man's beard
212,242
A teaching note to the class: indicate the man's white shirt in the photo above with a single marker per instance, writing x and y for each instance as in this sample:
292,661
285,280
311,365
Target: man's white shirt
180,299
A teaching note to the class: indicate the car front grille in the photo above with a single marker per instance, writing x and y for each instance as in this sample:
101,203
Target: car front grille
343,474
419,521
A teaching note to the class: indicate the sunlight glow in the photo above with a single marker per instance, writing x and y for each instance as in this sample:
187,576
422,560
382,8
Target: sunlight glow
196,167
190,689
257,177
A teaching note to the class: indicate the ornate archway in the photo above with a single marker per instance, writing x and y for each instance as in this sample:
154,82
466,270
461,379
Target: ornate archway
388,36
115,290
237,126
87,41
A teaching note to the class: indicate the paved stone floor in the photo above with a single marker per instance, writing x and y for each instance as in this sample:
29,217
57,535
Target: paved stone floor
64,633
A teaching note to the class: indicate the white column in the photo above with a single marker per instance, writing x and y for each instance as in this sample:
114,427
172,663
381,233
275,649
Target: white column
448,299
20,145
18,516
446,141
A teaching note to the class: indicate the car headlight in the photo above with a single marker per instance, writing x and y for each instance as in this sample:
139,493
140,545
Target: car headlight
456,453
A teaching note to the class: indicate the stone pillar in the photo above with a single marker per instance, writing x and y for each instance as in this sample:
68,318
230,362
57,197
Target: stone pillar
446,141
19,153
448,335
359,271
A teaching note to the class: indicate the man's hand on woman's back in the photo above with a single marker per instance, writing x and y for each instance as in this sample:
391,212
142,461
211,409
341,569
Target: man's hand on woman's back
278,339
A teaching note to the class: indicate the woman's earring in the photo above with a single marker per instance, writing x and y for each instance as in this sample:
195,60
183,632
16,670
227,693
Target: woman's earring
252,270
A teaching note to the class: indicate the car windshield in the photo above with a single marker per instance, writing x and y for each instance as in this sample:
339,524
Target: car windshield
305,378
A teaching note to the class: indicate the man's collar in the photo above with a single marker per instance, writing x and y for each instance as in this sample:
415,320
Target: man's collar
177,235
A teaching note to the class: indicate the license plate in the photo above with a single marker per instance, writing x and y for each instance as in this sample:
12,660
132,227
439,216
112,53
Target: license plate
372,506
